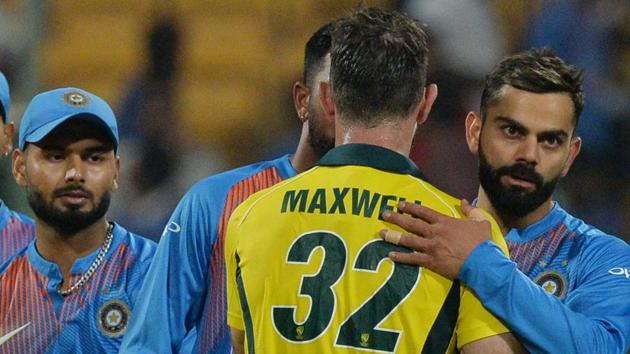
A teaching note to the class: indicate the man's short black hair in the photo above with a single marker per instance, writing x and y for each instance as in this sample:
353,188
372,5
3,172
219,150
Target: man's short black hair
379,65
317,47
537,70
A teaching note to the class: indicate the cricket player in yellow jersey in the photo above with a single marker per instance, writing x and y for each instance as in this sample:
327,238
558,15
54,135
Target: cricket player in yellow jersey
306,269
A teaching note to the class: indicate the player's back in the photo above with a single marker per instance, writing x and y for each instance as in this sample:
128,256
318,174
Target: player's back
313,274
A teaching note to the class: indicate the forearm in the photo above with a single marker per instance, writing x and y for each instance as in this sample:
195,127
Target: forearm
541,321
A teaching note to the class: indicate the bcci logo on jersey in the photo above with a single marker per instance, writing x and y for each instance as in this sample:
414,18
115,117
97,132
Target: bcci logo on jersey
113,318
553,282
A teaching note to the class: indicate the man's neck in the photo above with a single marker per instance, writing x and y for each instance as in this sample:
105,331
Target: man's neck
506,223
394,136
305,156
64,250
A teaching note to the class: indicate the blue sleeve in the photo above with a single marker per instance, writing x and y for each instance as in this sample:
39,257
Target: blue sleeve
595,318
171,298
144,250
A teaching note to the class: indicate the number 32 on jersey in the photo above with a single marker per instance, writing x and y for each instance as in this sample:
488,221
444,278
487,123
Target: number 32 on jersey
361,328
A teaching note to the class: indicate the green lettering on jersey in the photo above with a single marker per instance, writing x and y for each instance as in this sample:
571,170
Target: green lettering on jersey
386,205
318,202
338,205
363,202
316,286
291,200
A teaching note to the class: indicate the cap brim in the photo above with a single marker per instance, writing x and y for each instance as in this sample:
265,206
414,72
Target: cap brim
41,132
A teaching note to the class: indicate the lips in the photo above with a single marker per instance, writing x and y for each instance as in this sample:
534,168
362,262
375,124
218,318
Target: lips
523,177
73,198
518,182
73,195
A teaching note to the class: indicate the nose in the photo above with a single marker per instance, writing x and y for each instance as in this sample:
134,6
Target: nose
74,172
528,151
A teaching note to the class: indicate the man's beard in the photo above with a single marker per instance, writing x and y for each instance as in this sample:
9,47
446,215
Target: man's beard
71,221
513,202
317,138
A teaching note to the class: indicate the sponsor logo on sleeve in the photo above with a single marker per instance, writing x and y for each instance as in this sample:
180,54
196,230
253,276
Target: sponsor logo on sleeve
172,227
620,271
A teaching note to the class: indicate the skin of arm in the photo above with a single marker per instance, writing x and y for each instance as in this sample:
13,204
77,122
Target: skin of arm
499,344
238,341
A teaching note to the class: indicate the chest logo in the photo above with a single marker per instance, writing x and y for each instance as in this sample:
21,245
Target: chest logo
553,282
113,318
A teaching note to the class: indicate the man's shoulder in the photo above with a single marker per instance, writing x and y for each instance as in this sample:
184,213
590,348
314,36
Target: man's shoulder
259,202
14,216
212,186
140,246
447,203
18,260
22,218
17,231
591,239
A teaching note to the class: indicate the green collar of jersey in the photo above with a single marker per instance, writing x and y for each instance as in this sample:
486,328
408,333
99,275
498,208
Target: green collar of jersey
371,156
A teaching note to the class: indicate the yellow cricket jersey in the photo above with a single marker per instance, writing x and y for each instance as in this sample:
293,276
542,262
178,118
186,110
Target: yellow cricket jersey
308,273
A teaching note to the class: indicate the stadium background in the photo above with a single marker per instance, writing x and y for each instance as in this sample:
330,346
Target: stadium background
201,86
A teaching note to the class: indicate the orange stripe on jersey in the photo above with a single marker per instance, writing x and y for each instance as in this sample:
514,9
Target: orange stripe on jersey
528,255
19,284
215,314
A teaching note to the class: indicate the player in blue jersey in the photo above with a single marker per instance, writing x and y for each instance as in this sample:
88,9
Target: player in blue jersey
567,288
16,230
73,288
184,297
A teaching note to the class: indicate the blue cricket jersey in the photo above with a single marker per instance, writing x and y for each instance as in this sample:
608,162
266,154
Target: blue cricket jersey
567,291
184,303
16,231
35,318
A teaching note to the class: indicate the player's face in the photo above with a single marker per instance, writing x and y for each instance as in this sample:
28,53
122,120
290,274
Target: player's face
69,176
525,146
321,131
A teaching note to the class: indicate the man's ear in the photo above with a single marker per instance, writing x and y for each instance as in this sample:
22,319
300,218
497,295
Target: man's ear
325,96
430,94
19,167
574,151
301,96
473,131
9,130
117,175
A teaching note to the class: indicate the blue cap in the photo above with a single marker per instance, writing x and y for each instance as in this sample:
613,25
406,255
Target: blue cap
49,109
5,98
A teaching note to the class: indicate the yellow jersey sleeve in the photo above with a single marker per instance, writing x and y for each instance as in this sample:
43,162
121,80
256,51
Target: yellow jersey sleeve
235,311
475,322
